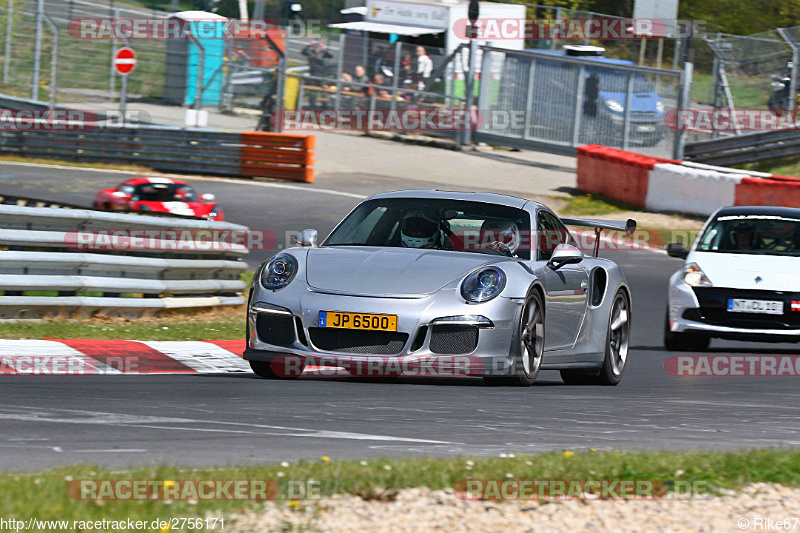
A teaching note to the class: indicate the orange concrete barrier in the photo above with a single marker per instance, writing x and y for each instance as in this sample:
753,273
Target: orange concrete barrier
278,155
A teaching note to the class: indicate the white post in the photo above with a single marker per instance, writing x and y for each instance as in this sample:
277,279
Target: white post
37,50
9,29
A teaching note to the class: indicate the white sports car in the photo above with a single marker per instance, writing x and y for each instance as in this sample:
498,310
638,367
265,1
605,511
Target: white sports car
741,280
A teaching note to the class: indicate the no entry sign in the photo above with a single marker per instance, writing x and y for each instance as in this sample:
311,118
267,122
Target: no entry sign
125,61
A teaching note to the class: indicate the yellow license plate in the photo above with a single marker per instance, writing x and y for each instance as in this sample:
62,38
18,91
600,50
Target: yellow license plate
339,319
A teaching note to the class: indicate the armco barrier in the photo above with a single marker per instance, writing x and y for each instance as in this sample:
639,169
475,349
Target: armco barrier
247,154
43,258
684,187
746,148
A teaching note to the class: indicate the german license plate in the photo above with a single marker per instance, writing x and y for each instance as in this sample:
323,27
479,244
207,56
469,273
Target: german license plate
646,129
768,307
340,319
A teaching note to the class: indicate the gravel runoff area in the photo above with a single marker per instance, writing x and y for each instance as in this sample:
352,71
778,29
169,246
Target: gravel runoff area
425,510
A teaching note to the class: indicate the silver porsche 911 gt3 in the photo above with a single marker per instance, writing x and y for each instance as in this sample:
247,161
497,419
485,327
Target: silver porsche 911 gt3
443,283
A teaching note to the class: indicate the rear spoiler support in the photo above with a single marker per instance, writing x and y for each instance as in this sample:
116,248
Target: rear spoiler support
599,225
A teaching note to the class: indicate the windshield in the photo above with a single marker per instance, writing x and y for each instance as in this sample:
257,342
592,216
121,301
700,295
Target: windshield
614,81
163,192
436,224
752,234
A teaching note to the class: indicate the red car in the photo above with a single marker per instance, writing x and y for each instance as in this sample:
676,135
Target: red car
162,195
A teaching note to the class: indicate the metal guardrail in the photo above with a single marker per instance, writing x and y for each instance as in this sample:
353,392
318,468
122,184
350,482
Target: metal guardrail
170,149
44,268
745,148
201,151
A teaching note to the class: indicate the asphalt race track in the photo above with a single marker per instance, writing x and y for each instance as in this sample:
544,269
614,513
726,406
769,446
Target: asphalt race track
210,419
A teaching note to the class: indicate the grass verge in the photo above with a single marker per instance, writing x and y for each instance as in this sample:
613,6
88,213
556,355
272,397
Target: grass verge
44,494
786,166
78,164
653,229
142,329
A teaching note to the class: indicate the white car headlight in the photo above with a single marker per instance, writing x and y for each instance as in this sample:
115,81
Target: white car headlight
694,276
483,284
614,106
660,107
278,271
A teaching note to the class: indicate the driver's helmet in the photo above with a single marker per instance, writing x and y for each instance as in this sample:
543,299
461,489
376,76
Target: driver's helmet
504,232
743,236
418,230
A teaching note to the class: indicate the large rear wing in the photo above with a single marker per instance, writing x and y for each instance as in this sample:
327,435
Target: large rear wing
599,225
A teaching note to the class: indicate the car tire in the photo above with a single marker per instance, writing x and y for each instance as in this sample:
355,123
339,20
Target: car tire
678,342
529,342
618,334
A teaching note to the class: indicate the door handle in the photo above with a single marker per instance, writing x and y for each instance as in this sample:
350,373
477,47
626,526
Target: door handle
585,285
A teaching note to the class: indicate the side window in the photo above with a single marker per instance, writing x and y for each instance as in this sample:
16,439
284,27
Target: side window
549,234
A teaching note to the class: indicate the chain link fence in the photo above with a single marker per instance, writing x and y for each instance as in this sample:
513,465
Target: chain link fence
528,99
539,98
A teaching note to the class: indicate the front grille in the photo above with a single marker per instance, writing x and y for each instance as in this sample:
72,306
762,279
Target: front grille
358,341
275,329
643,114
714,309
453,339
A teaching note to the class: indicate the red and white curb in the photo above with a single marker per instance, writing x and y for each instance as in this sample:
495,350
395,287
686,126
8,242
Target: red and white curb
83,357
91,356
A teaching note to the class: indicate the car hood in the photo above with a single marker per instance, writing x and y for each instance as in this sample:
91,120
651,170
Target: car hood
179,208
776,273
641,102
387,271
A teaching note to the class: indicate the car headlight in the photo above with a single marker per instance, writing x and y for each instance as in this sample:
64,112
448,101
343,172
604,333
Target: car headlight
278,271
483,284
660,107
614,106
694,276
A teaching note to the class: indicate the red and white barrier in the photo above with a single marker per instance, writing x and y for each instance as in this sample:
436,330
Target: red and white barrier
660,184
89,357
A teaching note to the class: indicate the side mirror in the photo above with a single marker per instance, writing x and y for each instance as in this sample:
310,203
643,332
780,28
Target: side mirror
565,254
208,197
307,237
677,249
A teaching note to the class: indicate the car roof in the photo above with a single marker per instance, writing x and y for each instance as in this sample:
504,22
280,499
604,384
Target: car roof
597,59
767,210
436,194
142,180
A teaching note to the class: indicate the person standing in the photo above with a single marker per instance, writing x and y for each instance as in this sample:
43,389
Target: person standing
424,68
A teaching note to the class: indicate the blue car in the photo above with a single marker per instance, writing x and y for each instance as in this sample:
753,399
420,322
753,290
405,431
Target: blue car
553,97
